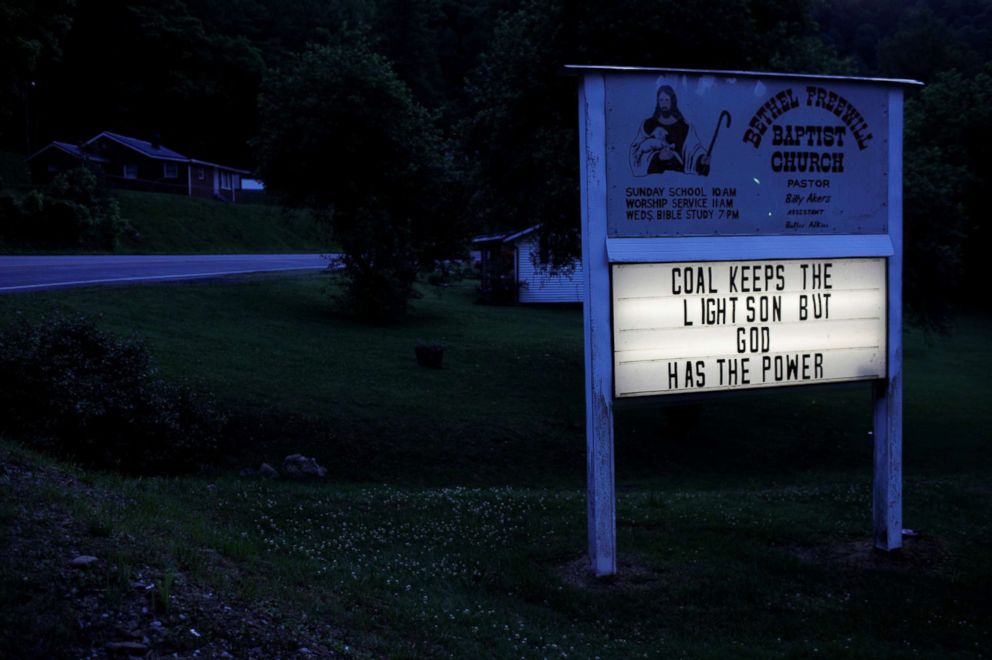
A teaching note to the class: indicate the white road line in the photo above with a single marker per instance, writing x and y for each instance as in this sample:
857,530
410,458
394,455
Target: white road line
153,277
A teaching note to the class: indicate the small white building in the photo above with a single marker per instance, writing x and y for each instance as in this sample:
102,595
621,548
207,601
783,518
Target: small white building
513,270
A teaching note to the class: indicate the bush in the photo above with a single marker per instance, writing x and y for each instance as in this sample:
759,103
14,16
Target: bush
75,210
10,215
87,395
379,270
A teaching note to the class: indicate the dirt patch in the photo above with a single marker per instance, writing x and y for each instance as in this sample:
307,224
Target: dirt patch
919,553
632,575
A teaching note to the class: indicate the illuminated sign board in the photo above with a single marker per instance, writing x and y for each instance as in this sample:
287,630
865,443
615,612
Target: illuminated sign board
727,325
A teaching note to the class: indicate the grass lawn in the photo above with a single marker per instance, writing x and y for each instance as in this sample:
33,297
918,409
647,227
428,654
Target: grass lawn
510,394
453,523
297,375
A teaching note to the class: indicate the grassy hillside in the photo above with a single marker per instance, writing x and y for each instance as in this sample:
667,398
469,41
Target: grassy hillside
510,394
300,375
453,520
174,224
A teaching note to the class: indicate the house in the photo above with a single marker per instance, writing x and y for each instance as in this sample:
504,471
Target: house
133,164
513,269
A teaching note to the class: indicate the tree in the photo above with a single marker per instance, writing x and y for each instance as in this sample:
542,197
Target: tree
520,141
32,34
945,184
342,134
152,66
520,137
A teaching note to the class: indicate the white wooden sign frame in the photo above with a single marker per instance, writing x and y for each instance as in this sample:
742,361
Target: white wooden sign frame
599,252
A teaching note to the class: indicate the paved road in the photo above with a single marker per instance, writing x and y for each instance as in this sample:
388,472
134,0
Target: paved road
55,272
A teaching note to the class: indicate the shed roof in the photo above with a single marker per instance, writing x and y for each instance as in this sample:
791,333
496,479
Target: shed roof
505,237
489,238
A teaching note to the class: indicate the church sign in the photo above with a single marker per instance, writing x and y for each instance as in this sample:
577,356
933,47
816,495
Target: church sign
716,155
740,230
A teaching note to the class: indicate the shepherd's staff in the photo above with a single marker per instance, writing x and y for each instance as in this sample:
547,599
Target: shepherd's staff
716,131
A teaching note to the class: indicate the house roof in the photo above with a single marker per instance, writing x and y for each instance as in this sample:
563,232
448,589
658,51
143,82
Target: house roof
145,148
194,161
160,152
141,146
72,150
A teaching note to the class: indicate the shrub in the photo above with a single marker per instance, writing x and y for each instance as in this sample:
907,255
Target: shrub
84,209
379,270
75,210
87,395
10,216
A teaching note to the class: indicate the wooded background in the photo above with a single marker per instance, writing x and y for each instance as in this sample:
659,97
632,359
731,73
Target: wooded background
468,96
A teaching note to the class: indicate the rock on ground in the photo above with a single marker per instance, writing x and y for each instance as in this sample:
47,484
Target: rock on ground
83,561
298,466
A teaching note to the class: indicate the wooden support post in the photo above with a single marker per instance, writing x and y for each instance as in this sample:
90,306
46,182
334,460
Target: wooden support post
887,482
596,321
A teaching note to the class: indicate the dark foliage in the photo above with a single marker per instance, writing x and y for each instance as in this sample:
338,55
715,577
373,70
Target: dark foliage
343,134
30,38
75,210
87,395
947,45
520,134
944,169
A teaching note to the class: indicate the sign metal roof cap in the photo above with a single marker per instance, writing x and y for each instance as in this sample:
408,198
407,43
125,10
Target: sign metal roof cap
578,69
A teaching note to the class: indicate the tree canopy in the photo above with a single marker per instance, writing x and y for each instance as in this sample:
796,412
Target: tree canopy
340,132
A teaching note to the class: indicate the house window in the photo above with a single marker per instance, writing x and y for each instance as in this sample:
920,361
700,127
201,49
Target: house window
170,170
199,173
130,171
52,167
225,180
